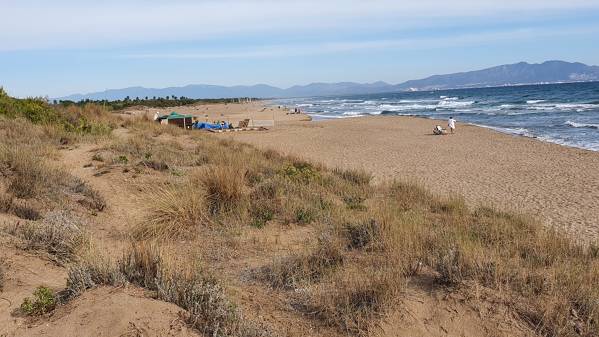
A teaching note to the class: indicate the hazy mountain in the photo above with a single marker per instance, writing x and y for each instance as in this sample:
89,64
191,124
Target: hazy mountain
511,74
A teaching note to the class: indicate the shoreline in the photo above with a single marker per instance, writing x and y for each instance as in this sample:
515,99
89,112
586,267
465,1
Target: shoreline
557,184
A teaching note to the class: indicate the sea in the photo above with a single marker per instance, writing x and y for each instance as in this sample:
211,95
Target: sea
566,114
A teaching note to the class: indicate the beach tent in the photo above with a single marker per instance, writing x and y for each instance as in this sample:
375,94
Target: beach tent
174,118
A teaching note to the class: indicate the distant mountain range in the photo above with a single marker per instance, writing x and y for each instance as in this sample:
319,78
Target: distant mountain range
504,75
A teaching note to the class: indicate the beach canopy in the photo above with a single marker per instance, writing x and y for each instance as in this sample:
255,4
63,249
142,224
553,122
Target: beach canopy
174,115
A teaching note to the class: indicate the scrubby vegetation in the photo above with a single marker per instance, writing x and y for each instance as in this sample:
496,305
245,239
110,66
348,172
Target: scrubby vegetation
59,234
207,306
153,102
79,120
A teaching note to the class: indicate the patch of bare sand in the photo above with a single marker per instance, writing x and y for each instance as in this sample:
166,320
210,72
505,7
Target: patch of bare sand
109,311
24,272
557,184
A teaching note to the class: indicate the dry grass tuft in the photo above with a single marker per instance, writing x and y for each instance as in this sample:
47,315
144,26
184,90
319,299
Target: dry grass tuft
356,299
30,175
366,234
354,176
224,186
176,212
59,234
297,270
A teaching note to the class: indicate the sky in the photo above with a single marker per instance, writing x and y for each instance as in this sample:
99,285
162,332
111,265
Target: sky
61,47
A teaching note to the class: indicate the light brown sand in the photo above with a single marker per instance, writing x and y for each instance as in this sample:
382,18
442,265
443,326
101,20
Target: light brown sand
557,184
232,112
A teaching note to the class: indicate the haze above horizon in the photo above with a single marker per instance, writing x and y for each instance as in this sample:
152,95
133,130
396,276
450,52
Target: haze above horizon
67,46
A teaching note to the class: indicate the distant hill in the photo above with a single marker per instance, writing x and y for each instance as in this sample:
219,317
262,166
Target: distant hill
511,74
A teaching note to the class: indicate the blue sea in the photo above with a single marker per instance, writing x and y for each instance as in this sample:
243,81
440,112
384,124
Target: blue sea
566,114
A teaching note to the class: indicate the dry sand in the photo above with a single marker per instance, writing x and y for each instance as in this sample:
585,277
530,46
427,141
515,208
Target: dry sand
558,185
231,112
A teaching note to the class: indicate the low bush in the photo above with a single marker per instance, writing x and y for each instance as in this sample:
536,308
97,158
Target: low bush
43,302
59,234
85,120
23,211
92,270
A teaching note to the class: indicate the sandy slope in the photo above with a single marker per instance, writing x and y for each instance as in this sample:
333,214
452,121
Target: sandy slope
557,184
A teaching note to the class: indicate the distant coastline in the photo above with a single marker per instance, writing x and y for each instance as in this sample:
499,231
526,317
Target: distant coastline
517,74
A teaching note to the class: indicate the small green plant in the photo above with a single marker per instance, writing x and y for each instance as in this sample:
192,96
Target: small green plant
261,217
122,159
43,302
98,157
301,171
304,216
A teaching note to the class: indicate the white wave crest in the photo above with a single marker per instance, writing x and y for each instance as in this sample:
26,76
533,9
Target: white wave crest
582,125
454,104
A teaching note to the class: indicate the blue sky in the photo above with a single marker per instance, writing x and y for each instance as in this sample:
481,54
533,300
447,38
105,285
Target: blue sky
61,47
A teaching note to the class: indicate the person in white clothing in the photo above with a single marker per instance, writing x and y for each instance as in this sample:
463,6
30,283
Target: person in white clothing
451,124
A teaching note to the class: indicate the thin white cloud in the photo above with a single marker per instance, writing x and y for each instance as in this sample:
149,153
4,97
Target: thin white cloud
27,24
286,50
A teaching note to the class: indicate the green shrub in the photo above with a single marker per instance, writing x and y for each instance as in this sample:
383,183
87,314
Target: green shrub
300,171
38,111
43,302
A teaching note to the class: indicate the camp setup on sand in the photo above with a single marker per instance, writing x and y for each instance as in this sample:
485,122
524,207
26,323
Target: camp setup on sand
174,118
191,122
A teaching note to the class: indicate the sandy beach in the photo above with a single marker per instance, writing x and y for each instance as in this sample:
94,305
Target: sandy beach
556,184
231,112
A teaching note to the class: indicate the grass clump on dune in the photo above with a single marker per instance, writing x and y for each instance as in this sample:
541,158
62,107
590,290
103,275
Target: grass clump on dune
59,234
224,186
207,306
294,271
176,212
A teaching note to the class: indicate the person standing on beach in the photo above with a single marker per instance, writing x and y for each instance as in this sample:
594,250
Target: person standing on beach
451,124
